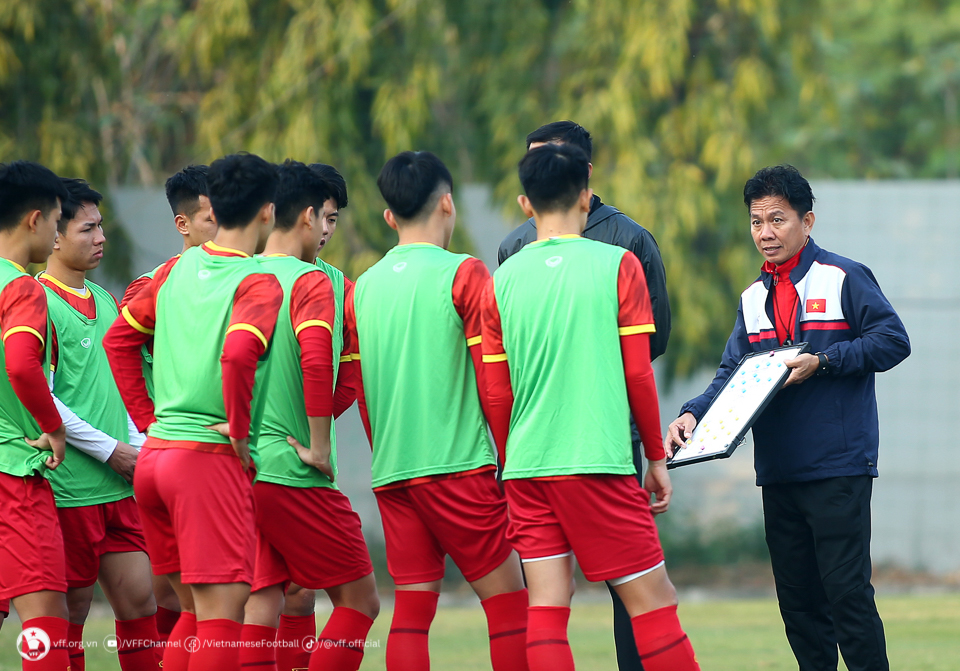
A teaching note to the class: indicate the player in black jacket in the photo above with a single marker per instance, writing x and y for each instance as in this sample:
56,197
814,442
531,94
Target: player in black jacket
610,225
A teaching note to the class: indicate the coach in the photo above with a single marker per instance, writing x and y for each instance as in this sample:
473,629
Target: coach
610,225
816,444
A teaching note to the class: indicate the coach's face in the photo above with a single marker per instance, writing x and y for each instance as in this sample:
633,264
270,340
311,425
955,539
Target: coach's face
778,231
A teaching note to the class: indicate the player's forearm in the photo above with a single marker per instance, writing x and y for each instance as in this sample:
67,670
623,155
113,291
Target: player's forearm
24,369
482,388
362,403
499,404
241,351
84,436
642,393
346,391
137,438
122,344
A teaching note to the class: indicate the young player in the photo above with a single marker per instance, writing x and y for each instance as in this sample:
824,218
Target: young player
32,570
187,195
420,386
211,313
307,531
552,316
93,488
298,620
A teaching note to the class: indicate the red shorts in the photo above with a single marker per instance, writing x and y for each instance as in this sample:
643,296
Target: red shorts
198,514
463,517
604,519
31,545
4,607
309,536
91,531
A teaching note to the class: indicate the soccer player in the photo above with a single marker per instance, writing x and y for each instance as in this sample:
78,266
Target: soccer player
307,531
420,389
187,195
211,313
32,570
93,488
298,620
552,316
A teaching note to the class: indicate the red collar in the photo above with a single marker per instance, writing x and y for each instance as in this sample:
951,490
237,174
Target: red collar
784,269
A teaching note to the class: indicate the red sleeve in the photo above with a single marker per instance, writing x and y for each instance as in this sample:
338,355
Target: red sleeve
23,327
256,306
636,325
134,327
349,312
346,391
496,372
468,286
133,289
312,313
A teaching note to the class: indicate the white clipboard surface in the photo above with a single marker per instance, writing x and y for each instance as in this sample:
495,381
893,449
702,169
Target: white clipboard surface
724,425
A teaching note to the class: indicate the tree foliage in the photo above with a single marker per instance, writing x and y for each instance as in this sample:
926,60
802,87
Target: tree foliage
685,99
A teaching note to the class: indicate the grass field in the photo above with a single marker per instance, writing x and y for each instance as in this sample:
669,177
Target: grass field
923,634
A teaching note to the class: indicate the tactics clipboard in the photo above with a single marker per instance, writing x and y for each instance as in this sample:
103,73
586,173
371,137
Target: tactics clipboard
746,393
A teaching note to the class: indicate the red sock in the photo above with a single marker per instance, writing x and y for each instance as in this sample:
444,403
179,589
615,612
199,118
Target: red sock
166,621
340,644
408,647
661,642
507,624
547,645
219,646
75,647
291,654
176,654
259,647
55,629
137,643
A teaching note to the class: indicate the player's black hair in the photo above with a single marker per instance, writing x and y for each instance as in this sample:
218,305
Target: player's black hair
412,183
780,180
299,188
567,132
238,186
553,175
185,188
336,184
26,186
78,193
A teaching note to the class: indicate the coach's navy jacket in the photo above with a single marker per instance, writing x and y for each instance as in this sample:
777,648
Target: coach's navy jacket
826,426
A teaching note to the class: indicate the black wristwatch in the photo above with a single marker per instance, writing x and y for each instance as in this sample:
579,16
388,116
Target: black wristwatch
824,366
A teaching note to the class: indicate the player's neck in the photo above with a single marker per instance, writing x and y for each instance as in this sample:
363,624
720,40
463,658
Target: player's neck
429,232
554,224
243,239
286,243
71,277
14,247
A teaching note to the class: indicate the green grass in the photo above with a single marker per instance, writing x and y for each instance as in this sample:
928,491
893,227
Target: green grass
923,634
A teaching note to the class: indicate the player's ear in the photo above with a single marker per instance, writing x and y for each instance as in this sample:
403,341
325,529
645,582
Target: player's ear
589,170
32,219
307,217
181,222
446,204
525,205
808,220
586,198
390,219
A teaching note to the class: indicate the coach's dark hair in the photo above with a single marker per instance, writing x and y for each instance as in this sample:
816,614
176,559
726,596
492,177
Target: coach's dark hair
553,175
78,193
412,183
26,186
336,184
567,132
299,188
185,188
239,185
780,180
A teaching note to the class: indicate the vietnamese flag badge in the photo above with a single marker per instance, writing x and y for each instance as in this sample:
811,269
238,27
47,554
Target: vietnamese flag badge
816,305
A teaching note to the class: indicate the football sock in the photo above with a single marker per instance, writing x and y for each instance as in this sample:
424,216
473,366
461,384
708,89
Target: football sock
57,659
662,643
291,655
219,646
166,621
259,650
176,654
408,647
507,625
75,647
340,644
137,644
547,645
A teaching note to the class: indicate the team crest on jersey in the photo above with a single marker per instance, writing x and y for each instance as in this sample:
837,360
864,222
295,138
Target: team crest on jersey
85,343
400,267
554,261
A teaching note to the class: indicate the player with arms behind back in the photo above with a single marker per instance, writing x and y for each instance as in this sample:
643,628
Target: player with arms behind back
562,311
420,391
193,483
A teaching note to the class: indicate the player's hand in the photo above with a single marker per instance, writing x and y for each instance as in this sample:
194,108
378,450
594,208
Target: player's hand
55,442
678,432
657,482
318,458
803,367
123,461
223,428
242,447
